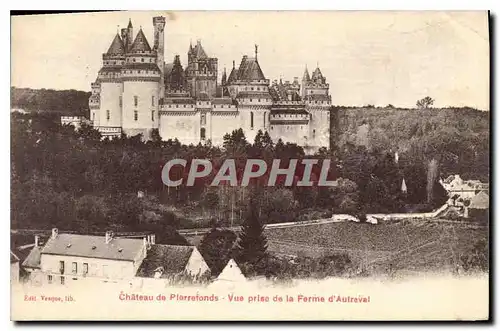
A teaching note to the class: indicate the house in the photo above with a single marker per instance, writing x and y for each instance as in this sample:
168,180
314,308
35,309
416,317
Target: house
171,263
458,188
231,273
14,268
71,257
478,207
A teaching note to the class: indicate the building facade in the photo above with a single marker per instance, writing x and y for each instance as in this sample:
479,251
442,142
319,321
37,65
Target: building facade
136,92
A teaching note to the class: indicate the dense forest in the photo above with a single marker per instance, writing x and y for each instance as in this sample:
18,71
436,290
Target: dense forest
74,180
68,102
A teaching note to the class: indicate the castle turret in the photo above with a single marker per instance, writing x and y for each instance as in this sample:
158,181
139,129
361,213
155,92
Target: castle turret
130,34
224,78
141,88
159,48
201,72
110,86
318,103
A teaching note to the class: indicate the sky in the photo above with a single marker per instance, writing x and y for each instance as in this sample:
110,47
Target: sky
367,57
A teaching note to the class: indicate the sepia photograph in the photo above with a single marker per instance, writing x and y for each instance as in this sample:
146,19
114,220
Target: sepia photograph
250,166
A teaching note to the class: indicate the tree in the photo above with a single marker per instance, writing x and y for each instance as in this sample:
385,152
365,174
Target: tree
217,248
252,244
425,103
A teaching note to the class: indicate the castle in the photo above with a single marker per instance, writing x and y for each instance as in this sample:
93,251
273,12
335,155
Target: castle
136,92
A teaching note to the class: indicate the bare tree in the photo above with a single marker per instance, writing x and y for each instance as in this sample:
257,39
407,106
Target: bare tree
425,103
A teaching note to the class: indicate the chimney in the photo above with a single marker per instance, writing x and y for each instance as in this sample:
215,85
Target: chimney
54,233
152,238
37,239
109,236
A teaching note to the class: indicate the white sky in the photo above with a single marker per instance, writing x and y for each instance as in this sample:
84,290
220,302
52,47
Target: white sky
367,57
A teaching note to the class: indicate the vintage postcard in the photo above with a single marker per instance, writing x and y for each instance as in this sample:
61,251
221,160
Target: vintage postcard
233,165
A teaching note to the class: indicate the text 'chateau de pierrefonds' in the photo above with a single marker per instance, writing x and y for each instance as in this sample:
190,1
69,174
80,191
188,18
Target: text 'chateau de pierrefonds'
136,92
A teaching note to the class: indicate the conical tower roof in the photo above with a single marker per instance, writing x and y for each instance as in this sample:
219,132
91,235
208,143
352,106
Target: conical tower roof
306,76
117,47
199,51
140,43
317,74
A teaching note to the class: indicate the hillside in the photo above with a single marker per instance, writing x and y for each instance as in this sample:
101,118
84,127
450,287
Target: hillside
458,138
70,102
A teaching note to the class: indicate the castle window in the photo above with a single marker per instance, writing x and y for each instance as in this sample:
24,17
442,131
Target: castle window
136,115
259,100
136,100
265,119
49,279
120,101
251,120
133,60
153,100
152,115
107,114
202,133
314,133
251,88
74,268
250,100
62,280
203,119
142,60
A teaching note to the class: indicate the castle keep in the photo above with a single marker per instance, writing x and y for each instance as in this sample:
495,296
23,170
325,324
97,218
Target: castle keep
136,92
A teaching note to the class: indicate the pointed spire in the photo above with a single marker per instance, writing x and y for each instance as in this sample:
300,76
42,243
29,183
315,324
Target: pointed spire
129,23
116,47
140,43
306,76
233,64
256,51
404,189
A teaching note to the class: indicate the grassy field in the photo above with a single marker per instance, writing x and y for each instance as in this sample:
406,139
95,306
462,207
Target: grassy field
404,245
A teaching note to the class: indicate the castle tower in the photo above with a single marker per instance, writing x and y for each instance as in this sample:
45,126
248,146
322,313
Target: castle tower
130,34
250,88
110,86
201,72
159,48
306,79
318,103
141,88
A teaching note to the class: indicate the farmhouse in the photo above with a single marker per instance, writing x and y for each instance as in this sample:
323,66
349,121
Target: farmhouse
68,258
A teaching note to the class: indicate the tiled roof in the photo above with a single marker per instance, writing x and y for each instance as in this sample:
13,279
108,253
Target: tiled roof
94,247
250,70
117,47
140,43
33,258
233,75
306,76
317,74
170,259
199,51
